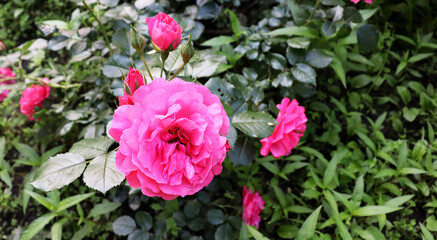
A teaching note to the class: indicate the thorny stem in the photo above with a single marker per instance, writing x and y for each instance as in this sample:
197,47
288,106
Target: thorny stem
176,73
162,69
145,64
101,26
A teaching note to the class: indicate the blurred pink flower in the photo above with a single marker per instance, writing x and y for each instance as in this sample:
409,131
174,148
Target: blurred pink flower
357,1
134,79
172,139
253,204
5,73
32,97
164,32
291,126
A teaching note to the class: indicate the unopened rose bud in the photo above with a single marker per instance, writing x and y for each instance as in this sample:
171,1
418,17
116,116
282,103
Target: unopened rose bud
187,51
138,42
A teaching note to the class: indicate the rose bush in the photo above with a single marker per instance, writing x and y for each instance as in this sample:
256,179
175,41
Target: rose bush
32,97
164,32
253,204
172,139
291,119
5,73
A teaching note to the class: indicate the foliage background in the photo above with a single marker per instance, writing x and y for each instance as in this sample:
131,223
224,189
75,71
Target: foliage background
365,168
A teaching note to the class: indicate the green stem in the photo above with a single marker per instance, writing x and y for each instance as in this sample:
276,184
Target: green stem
314,9
101,26
145,64
176,73
164,56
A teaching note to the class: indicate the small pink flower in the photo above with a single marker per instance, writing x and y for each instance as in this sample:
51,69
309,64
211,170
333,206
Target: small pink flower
2,46
164,32
357,1
5,73
32,97
172,139
134,79
253,204
286,134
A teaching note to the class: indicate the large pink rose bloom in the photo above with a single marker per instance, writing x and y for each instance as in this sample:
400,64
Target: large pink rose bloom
32,97
5,73
133,79
286,134
253,204
172,139
164,31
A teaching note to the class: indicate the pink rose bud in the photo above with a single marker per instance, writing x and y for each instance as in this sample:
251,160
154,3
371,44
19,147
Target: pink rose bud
6,73
32,97
133,81
172,139
287,133
253,204
165,32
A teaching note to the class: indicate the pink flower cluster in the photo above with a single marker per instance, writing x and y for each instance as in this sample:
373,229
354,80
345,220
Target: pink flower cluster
32,97
253,204
5,73
172,139
287,133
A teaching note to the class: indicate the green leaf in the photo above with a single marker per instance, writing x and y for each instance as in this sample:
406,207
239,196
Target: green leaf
426,233
218,41
59,171
255,233
26,151
254,124
123,225
330,171
408,170
358,193
287,231
235,23
404,93
374,210
299,13
215,216
339,70
56,231
36,226
419,57
121,40
277,61
410,114
328,28
243,152
41,200
244,233
304,73
102,174
360,81
103,208
91,147
419,150
309,226
317,58
71,201
144,220
367,141
294,31
224,232
192,209
367,38
398,201
139,234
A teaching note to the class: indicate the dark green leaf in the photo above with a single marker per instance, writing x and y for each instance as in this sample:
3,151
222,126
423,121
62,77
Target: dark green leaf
367,38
